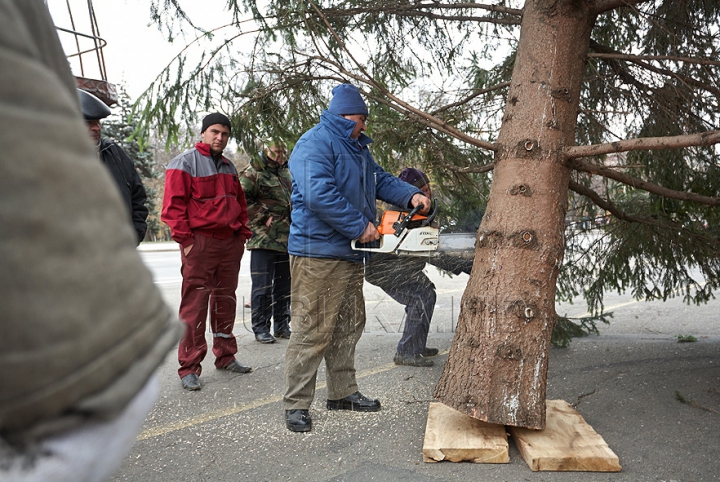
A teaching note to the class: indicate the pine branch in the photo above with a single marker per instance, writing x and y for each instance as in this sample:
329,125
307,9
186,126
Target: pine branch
619,68
192,44
603,52
272,89
397,103
693,403
644,143
489,8
690,81
422,119
423,10
156,13
469,169
149,103
461,18
637,58
467,99
610,207
600,6
644,185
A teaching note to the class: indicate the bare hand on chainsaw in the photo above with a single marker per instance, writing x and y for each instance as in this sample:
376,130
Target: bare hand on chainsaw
419,199
370,234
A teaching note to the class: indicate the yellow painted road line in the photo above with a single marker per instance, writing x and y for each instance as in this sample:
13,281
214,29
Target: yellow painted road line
448,290
226,412
206,417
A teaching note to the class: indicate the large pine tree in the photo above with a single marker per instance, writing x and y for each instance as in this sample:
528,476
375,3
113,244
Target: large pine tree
607,107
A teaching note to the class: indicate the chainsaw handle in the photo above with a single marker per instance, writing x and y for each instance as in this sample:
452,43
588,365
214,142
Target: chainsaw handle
399,226
433,212
414,211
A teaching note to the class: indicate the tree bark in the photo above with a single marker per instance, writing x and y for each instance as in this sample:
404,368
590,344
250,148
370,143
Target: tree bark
497,367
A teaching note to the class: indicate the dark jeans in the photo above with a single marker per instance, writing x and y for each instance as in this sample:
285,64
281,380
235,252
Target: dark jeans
419,301
270,299
406,283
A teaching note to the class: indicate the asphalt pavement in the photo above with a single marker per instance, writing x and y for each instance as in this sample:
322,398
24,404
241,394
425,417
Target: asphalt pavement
625,383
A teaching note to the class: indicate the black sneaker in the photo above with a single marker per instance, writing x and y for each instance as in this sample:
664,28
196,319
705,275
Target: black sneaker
236,367
430,352
298,420
265,338
357,402
191,382
283,334
414,360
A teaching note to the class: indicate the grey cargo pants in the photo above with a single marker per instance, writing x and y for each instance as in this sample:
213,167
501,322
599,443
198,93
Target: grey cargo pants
328,318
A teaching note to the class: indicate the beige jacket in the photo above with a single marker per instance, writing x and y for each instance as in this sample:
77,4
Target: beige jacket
82,326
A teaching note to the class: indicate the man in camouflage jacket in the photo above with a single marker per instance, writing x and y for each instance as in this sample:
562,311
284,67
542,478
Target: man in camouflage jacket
267,185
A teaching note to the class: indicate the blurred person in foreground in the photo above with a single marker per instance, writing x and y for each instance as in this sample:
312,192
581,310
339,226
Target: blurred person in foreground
267,185
82,326
204,205
335,184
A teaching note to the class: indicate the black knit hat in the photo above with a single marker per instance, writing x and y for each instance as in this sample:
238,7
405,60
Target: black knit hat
215,118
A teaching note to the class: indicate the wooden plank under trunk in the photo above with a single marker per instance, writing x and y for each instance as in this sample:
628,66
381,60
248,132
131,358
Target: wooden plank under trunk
456,437
568,443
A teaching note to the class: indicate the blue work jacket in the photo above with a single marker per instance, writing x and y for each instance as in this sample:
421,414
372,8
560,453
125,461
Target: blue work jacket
335,182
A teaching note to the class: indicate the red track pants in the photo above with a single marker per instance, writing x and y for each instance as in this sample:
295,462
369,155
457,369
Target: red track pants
210,278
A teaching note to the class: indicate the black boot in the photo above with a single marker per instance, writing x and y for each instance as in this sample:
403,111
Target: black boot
357,402
414,360
298,420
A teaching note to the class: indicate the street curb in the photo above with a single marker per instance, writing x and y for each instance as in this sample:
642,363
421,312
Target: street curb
158,247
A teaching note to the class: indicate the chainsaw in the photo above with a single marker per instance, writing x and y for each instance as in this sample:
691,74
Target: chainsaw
408,233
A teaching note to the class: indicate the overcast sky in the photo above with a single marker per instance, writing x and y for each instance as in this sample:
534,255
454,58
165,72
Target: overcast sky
136,51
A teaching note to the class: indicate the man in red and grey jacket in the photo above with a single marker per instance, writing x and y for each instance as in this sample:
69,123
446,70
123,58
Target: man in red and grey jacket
204,206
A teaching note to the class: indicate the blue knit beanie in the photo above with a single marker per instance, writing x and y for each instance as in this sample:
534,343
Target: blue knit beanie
347,101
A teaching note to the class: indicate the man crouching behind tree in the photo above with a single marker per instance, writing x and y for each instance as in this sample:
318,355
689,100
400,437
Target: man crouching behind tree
335,183
204,205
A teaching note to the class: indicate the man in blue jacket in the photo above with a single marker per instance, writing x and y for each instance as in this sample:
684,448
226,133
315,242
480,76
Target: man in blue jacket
335,184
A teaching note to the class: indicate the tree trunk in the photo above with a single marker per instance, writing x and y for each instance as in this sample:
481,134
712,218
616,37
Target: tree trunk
497,367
